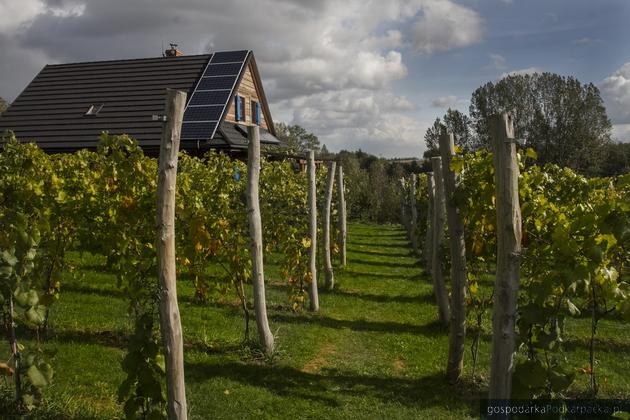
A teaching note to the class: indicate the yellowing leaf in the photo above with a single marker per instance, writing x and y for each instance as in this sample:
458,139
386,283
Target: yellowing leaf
531,153
306,242
6,370
457,164
473,288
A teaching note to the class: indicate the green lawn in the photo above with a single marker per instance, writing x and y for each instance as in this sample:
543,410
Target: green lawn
374,351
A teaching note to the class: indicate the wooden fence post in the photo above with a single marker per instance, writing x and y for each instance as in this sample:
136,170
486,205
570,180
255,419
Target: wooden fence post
441,294
342,216
170,322
330,181
457,335
508,256
312,212
255,233
428,243
413,223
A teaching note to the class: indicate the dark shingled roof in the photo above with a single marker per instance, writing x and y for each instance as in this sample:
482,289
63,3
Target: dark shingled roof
51,110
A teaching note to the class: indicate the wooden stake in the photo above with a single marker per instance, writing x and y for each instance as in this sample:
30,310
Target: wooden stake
428,242
342,216
15,351
508,256
330,277
457,335
439,287
312,211
170,321
256,243
403,206
414,213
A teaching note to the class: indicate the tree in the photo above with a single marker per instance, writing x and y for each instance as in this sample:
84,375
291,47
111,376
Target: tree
563,120
432,137
324,152
297,138
457,123
3,105
616,159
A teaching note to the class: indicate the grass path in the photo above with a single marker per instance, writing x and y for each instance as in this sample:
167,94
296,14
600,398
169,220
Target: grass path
375,350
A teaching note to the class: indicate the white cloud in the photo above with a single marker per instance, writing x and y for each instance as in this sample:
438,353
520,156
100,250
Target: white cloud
14,14
69,10
621,132
376,118
616,93
497,61
528,70
328,111
445,25
444,101
18,14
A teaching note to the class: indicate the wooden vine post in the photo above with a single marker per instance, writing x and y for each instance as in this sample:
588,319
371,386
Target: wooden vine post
170,321
508,256
341,194
441,294
413,222
312,252
457,334
428,242
328,269
256,243
403,205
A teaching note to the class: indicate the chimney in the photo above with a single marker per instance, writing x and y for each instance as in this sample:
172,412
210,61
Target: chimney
173,51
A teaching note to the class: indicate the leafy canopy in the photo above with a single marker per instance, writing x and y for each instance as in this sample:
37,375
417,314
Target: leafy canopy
563,120
297,138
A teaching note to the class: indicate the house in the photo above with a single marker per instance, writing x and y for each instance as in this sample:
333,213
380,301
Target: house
67,106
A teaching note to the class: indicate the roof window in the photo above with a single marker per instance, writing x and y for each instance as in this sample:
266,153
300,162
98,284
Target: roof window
93,109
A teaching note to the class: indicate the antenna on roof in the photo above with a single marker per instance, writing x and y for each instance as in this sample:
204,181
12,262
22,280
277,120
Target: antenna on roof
173,51
163,53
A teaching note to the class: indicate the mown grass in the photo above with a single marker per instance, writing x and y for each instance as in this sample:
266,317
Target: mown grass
374,351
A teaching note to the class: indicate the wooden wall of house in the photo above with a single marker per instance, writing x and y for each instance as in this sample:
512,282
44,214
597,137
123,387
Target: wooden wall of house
247,89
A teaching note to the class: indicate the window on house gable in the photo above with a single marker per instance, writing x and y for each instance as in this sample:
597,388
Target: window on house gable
239,103
256,113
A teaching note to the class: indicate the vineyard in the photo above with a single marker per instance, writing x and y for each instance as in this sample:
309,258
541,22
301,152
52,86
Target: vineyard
499,260
564,255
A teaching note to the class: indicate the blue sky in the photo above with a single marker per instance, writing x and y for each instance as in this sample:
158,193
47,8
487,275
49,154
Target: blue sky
585,39
367,74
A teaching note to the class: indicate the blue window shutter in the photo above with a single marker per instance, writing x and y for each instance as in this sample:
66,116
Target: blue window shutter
258,114
239,117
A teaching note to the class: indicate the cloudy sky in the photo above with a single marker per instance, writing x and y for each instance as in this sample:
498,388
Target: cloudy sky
369,74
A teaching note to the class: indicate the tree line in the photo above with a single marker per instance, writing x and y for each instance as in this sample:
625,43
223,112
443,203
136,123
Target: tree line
563,120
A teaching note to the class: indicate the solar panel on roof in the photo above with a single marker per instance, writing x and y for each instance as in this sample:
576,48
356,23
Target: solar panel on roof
229,56
220,82
210,97
203,113
192,130
216,97
223,69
